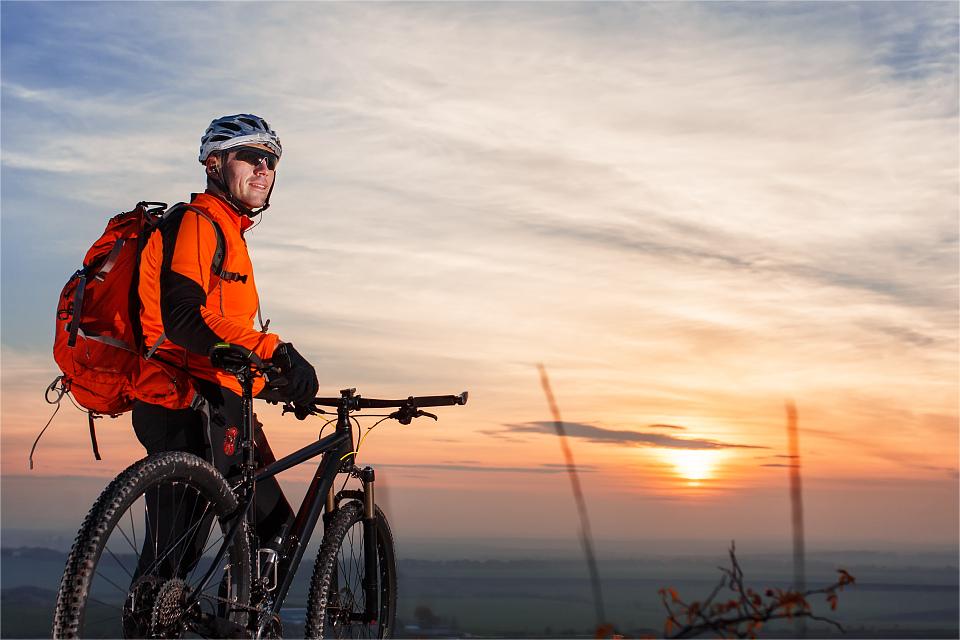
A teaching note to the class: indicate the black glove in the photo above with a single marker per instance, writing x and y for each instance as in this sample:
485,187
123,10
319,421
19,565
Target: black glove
299,379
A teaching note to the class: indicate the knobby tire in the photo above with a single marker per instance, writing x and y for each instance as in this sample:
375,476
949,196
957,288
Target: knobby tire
117,525
336,592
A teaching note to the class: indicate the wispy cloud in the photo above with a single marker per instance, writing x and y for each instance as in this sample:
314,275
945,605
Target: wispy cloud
601,435
685,209
482,468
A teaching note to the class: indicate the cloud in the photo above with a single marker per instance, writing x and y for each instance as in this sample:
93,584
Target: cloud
600,435
684,207
481,468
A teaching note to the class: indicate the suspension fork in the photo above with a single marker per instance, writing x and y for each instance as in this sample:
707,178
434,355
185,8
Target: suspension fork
371,572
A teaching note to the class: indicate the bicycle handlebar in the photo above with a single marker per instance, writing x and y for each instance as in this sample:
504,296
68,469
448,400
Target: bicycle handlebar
359,402
243,363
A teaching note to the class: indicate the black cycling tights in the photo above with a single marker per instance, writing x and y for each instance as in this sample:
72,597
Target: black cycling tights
173,508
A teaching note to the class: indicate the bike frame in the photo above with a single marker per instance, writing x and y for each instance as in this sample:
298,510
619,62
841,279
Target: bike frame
335,449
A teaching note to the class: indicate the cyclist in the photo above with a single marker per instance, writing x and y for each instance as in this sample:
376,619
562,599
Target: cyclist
186,309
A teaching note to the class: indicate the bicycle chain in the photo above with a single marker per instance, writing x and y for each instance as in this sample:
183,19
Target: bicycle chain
236,605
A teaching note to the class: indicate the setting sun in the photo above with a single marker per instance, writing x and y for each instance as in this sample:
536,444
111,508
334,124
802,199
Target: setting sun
693,465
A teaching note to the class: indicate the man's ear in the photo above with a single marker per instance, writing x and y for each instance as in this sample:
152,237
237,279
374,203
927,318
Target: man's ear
213,165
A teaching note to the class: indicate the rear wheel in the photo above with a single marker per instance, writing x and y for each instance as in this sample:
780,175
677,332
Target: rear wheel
143,550
337,605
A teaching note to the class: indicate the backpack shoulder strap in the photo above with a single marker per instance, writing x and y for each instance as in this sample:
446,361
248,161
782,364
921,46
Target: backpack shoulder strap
220,255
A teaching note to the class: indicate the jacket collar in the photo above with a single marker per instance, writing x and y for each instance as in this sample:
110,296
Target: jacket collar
208,201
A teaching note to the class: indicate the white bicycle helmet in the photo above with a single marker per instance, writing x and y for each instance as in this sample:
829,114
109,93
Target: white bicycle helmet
235,131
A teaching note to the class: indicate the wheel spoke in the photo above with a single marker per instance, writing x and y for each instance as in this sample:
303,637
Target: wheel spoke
170,549
163,509
125,537
122,566
343,554
101,602
185,550
193,572
133,530
105,578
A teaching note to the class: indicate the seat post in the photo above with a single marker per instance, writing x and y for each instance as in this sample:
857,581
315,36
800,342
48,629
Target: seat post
248,443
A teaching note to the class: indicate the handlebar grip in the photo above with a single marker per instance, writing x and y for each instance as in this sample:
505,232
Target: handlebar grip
233,357
441,401
419,401
378,403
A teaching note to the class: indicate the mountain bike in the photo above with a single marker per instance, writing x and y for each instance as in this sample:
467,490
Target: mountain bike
205,573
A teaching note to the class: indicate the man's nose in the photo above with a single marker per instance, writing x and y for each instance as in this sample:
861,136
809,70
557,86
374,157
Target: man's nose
261,166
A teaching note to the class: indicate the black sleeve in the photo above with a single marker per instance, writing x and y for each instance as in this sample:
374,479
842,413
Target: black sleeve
180,302
181,299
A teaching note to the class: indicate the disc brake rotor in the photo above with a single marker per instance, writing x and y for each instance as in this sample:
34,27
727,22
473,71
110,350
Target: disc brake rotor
138,607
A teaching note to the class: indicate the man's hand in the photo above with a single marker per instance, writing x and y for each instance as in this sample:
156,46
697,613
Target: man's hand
300,377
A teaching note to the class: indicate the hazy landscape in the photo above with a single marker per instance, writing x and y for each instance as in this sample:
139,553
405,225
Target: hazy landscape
545,592
727,230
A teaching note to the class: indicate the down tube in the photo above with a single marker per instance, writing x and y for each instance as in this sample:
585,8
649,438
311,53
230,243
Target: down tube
307,517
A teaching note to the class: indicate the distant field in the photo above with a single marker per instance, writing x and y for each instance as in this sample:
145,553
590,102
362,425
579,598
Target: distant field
897,595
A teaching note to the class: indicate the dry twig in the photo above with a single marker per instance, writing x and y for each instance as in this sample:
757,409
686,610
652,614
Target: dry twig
745,613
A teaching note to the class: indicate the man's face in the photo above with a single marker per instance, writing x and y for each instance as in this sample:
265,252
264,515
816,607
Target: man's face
247,175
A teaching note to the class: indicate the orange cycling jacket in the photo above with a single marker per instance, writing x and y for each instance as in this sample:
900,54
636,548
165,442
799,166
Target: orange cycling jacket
185,306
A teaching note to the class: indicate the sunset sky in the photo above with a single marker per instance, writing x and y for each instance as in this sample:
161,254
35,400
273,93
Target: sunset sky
689,213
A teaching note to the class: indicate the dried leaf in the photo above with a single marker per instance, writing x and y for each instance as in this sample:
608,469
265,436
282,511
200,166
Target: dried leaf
845,577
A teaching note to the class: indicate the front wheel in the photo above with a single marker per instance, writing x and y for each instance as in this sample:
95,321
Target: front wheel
337,606
143,549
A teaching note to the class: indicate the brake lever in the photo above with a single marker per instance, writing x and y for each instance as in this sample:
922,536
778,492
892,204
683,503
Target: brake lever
301,411
406,414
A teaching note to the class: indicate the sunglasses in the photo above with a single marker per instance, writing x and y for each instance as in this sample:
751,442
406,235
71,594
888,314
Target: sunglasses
254,156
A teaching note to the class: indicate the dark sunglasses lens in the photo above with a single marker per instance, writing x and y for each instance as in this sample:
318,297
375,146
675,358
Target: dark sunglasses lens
254,157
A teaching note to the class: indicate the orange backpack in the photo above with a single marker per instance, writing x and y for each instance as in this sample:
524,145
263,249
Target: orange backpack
98,343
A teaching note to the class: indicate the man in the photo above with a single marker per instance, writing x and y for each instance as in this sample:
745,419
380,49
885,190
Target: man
188,305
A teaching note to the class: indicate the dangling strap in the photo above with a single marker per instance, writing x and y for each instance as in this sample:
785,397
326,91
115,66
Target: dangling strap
93,434
59,391
111,260
263,327
113,342
153,349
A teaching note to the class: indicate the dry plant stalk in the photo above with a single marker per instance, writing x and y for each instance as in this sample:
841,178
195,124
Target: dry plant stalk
743,615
